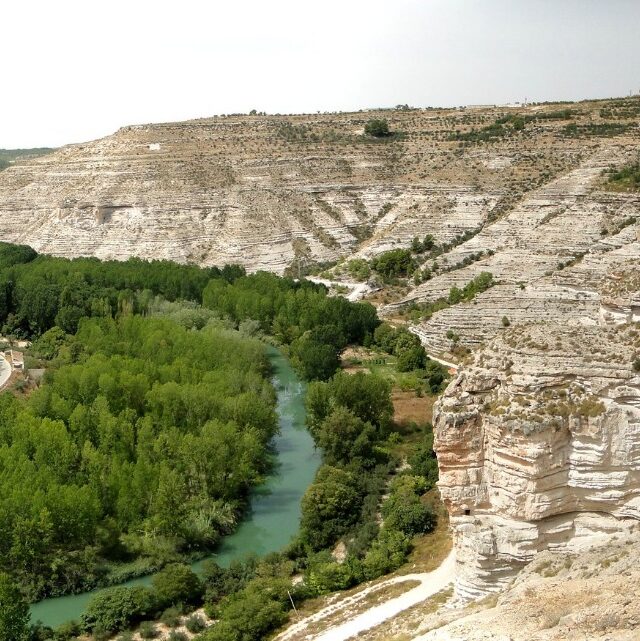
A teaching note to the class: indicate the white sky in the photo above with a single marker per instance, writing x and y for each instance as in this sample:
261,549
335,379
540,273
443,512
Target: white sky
76,70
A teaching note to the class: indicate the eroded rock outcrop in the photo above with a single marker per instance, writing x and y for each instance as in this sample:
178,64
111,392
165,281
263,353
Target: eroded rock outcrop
538,443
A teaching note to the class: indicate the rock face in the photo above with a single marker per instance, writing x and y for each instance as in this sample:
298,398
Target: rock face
538,444
260,191
548,257
272,192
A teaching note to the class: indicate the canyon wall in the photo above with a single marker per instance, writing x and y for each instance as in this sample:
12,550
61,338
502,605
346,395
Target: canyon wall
538,443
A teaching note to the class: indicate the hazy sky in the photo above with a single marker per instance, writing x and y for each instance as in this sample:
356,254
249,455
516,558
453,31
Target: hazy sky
75,70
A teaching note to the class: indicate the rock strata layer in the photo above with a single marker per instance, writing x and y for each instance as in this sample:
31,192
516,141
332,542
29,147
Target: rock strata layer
538,444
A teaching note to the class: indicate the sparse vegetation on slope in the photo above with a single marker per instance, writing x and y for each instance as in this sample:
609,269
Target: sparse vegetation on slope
625,179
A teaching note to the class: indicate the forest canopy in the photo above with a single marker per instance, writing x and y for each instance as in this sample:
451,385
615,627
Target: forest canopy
144,442
155,416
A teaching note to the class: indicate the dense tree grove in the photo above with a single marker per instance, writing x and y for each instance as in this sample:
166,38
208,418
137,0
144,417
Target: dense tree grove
145,439
301,315
40,292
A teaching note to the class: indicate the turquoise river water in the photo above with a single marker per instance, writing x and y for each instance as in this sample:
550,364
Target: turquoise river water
274,514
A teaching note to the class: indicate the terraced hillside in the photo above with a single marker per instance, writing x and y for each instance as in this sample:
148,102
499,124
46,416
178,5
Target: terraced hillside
267,190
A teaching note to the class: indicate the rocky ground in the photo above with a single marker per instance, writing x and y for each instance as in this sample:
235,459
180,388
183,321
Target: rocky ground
590,596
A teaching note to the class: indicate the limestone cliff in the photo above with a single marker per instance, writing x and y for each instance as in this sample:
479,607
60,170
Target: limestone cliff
538,443
272,191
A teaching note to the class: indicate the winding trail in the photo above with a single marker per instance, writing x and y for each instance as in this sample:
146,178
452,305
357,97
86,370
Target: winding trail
430,583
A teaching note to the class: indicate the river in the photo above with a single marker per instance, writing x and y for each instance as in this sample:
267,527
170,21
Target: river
274,514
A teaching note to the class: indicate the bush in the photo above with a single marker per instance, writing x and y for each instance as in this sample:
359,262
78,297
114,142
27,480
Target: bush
171,617
251,614
148,630
323,578
359,269
378,128
177,635
67,631
176,583
636,365
388,552
100,634
114,609
423,461
195,623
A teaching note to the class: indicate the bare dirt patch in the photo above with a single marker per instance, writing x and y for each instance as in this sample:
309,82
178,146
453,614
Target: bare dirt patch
408,407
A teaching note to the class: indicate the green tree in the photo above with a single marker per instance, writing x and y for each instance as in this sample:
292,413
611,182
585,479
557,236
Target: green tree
343,437
176,583
411,359
395,262
329,506
14,611
114,609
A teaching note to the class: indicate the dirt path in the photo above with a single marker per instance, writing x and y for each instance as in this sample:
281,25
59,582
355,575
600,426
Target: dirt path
5,371
442,362
430,583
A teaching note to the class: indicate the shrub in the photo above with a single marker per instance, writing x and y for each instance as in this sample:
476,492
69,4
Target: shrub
505,321
323,578
195,623
177,635
423,461
176,583
100,634
378,128
388,552
148,630
359,269
636,365
251,614
171,617
114,609
67,631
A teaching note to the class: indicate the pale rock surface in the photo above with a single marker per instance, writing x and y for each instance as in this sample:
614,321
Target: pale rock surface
591,596
538,444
